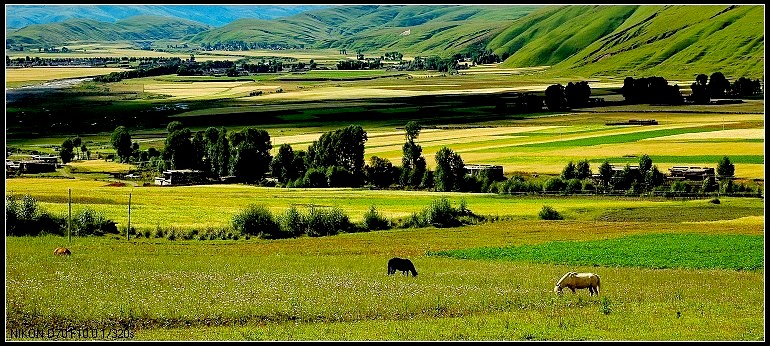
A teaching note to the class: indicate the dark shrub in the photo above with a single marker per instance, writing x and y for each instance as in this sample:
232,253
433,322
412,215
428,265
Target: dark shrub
91,222
327,221
373,221
554,184
573,185
25,217
549,213
256,220
337,176
714,201
314,177
293,223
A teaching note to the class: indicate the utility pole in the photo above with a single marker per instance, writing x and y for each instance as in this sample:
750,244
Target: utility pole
69,217
128,230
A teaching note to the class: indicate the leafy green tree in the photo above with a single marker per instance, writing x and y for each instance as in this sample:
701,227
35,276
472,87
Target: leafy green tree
554,184
211,136
626,178
178,147
174,126
583,169
654,178
223,153
199,151
250,154
412,162
725,168
605,173
700,91
282,165
337,176
379,172
569,171
450,170
76,143
342,147
718,85
645,164
66,150
554,97
84,149
577,94
121,142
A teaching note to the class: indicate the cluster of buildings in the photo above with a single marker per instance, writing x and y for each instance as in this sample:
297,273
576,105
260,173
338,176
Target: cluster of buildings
36,164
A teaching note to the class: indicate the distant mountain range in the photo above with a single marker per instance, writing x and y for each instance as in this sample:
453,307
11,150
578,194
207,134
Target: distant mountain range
19,16
682,40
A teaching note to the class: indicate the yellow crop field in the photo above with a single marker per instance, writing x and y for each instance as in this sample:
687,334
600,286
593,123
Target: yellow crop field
100,166
214,205
40,74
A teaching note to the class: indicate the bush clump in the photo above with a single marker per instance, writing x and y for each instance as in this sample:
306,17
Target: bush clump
91,222
24,217
327,221
441,214
256,220
549,213
374,221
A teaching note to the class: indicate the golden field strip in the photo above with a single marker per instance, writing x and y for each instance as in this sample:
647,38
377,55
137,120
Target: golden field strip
214,206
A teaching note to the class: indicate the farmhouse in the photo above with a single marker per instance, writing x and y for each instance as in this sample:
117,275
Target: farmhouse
690,173
616,170
47,159
36,166
180,177
496,171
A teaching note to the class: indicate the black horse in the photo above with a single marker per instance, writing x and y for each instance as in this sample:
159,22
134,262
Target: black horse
402,264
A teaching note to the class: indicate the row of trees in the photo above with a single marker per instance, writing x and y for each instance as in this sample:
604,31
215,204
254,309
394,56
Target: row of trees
70,146
652,90
169,67
558,97
718,86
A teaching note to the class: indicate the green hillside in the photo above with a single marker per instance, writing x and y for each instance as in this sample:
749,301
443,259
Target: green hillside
435,29
671,41
132,28
677,41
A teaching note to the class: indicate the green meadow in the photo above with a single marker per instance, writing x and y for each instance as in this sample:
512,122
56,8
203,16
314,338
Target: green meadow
336,288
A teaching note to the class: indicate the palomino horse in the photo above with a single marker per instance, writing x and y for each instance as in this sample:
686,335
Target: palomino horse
402,264
62,251
573,280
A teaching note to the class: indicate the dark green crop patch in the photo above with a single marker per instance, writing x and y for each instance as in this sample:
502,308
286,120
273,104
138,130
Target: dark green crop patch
657,251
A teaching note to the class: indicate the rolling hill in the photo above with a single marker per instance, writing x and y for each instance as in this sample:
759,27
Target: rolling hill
676,41
132,28
19,16
433,29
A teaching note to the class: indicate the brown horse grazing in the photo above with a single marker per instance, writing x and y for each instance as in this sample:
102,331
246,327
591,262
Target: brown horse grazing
573,280
62,251
402,264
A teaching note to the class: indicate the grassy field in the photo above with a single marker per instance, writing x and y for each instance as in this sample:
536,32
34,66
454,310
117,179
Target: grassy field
335,288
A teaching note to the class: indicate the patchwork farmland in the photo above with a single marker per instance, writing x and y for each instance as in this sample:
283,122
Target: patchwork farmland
283,259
